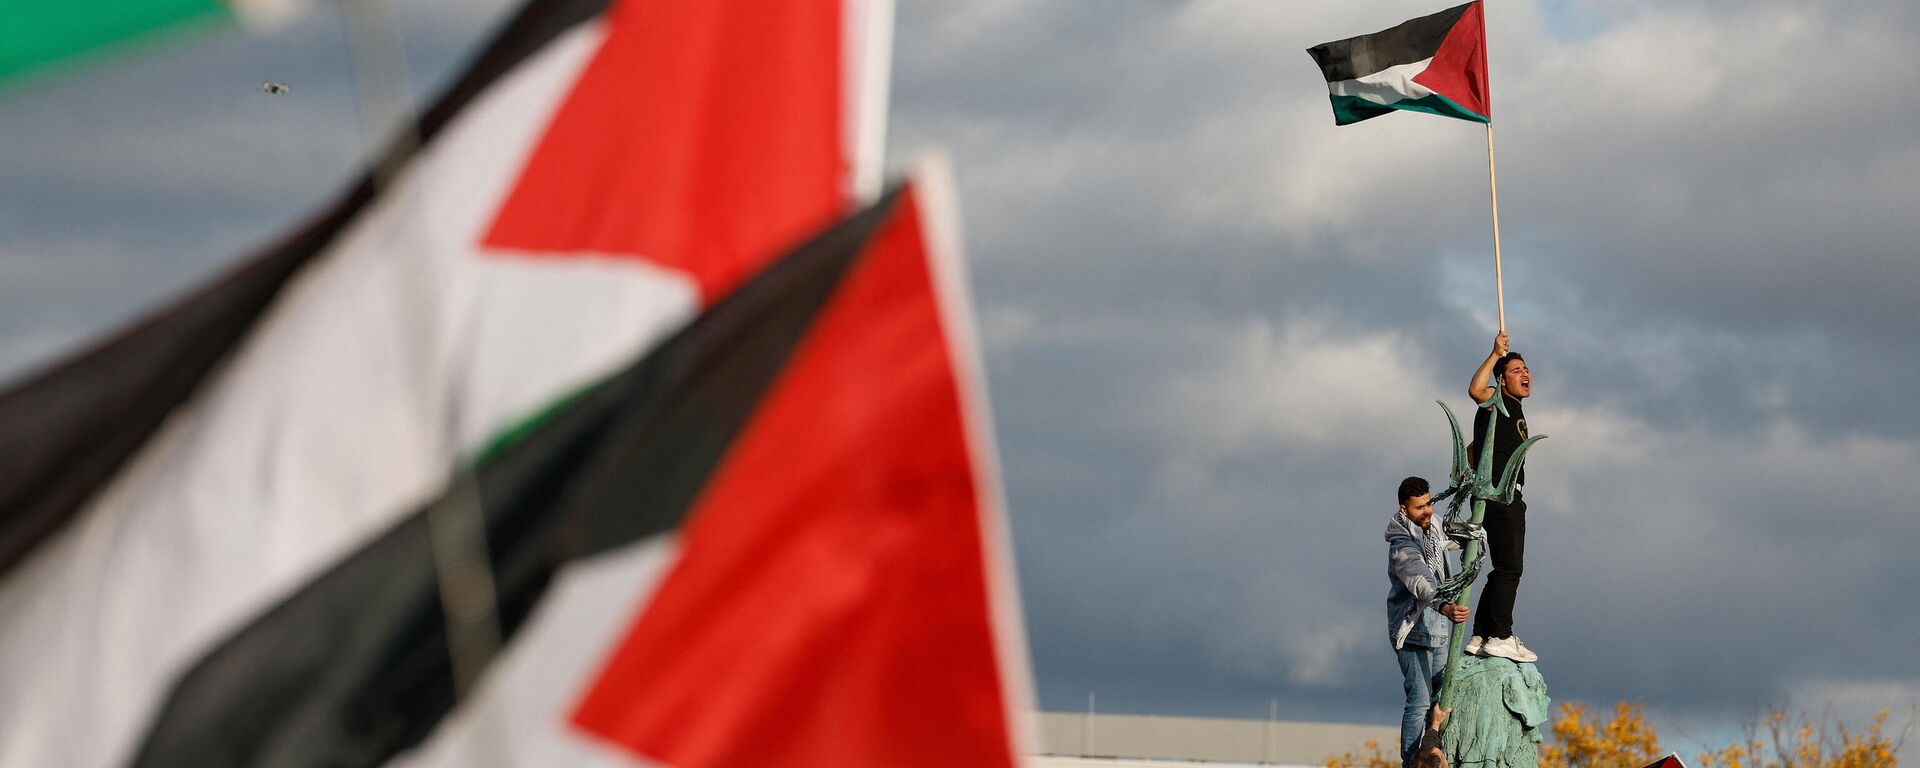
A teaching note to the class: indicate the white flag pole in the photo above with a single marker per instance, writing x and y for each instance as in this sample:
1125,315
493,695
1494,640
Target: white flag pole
457,528
1499,279
870,80
1493,189
380,87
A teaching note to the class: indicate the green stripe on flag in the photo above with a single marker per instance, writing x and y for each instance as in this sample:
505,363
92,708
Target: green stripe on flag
1348,110
36,32
519,430
1444,107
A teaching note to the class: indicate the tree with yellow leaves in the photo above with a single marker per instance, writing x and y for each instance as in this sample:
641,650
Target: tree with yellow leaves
1777,743
1370,756
1580,741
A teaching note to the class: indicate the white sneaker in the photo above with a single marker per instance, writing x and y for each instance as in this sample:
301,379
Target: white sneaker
1473,645
1524,650
1509,649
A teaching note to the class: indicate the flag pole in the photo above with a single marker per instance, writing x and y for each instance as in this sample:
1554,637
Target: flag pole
1499,279
379,69
869,150
457,528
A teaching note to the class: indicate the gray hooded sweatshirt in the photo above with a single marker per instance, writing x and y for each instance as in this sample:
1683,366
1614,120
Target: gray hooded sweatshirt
1416,564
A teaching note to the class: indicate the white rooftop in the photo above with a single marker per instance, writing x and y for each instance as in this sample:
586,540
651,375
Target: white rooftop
1084,740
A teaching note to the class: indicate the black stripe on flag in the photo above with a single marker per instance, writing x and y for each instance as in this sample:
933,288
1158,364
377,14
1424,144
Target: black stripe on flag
355,667
1411,42
68,430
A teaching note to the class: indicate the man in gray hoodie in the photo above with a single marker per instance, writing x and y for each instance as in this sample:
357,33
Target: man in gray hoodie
1418,627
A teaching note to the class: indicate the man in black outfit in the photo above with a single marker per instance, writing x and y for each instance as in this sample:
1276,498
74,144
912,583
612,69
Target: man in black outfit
1505,374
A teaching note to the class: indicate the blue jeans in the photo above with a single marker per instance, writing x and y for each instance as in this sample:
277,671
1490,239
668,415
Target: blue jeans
1421,668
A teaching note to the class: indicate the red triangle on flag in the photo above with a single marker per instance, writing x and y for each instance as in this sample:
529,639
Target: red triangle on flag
833,605
704,137
1459,68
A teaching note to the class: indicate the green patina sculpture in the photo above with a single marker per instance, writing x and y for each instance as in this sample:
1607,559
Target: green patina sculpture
1498,705
1501,707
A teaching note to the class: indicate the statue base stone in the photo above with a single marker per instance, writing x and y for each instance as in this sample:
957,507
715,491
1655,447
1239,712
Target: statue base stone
1499,709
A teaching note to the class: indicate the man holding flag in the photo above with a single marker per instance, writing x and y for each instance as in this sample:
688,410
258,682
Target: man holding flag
1437,64
1504,373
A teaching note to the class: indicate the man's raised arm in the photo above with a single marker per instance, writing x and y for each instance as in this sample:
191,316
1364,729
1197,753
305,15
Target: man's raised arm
1481,388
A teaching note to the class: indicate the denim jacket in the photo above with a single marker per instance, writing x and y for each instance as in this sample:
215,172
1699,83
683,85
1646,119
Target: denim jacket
1415,578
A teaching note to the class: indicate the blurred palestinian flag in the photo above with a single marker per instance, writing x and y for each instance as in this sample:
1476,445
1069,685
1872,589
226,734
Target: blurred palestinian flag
34,33
608,431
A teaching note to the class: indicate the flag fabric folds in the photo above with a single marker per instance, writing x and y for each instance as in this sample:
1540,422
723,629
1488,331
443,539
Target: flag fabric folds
1435,64
703,499
801,453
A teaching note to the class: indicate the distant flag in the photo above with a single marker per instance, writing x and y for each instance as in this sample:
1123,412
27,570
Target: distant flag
1435,64
34,33
1670,761
768,536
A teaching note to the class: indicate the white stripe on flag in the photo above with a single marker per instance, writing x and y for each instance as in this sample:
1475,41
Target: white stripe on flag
393,357
1386,86
521,714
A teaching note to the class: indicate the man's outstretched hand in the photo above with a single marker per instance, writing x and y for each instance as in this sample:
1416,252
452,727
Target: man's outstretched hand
1500,345
1456,612
1440,715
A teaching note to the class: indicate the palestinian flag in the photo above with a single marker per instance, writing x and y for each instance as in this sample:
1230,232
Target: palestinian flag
1435,64
38,32
454,476
1670,761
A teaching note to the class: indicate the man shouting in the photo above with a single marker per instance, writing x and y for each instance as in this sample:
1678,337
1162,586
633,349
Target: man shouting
1503,374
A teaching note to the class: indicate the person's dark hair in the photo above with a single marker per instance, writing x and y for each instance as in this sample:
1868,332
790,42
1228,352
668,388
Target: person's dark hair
1430,758
1411,487
1500,368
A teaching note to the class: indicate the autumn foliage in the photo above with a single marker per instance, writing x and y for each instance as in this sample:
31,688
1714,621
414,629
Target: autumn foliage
1580,740
1777,743
1370,756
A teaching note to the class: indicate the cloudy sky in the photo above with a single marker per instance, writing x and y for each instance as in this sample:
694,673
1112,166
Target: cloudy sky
1216,324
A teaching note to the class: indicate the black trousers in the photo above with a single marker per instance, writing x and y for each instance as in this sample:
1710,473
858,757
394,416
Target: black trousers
1506,526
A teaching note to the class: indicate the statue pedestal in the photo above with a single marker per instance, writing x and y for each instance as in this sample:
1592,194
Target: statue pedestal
1499,709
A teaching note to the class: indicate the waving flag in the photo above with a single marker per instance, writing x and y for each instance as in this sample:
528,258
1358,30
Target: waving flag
775,540
34,33
1435,64
211,525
